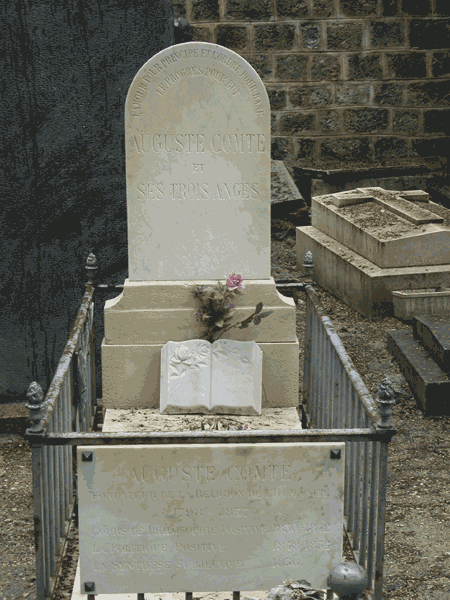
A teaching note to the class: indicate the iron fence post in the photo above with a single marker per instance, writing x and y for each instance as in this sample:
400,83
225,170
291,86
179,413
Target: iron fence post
386,400
35,397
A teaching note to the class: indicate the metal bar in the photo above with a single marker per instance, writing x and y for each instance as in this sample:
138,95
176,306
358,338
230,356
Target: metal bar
357,517
315,391
38,517
59,525
66,428
381,485
352,464
66,357
98,438
321,380
330,382
46,528
344,424
307,356
93,375
336,392
366,505
51,497
355,378
373,513
70,429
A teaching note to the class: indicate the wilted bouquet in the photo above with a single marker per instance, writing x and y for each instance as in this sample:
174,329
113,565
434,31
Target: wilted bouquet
217,309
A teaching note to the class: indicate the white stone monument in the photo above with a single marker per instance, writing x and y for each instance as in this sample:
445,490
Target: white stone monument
197,137
198,377
215,517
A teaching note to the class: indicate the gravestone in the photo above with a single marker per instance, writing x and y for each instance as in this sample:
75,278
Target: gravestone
213,517
197,138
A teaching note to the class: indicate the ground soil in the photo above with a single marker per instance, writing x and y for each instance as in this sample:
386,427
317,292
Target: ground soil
417,542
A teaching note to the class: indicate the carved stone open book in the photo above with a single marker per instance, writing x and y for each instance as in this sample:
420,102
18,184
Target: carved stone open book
198,377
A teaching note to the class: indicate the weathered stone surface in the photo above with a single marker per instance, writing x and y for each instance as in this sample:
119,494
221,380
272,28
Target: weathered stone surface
150,419
205,182
198,377
175,517
429,384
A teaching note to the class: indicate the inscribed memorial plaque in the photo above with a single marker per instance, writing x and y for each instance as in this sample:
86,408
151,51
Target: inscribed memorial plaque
197,137
173,518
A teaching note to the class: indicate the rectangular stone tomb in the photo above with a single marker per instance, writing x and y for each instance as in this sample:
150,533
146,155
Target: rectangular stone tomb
178,518
369,227
198,377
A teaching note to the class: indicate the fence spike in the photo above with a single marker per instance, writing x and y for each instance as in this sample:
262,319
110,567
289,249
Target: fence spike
91,268
386,399
308,266
35,395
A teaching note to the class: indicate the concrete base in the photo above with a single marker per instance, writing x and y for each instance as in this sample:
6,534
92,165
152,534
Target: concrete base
358,282
148,314
152,420
131,375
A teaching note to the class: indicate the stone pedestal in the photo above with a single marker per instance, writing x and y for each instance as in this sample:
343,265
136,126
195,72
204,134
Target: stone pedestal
149,314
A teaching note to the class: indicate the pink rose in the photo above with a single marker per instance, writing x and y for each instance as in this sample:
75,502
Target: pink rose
234,281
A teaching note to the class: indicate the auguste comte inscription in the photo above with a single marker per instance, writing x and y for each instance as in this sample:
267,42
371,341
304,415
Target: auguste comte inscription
209,517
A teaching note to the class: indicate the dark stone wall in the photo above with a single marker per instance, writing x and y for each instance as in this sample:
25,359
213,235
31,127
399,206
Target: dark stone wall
66,69
351,82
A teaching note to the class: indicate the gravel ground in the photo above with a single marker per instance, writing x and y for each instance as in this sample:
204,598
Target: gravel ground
417,546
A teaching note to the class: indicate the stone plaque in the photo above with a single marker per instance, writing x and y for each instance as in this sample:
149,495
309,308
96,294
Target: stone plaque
197,137
174,518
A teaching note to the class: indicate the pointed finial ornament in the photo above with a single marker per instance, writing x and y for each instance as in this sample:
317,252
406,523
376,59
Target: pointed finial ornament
35,395
308,266
386,399
91,267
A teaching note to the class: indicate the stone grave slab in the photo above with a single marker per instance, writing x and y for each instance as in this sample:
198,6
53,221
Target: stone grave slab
197,137
381,230
150,419
199,377
171,518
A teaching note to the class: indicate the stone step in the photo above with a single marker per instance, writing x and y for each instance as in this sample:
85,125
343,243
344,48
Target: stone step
433,331
429,384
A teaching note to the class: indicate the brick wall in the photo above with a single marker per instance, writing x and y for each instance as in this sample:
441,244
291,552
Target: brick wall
349,81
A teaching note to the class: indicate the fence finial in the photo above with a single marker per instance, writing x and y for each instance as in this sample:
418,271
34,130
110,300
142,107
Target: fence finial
308,266
35,395
386,399
91,267
182,31
348,580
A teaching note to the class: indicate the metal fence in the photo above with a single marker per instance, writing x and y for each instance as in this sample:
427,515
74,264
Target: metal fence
340,406
338,399
69,405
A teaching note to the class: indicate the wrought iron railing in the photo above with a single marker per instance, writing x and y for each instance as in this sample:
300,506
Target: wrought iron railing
338,399
69,405
340,408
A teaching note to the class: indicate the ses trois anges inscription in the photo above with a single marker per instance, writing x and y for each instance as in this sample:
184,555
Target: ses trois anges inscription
177,518
197,131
